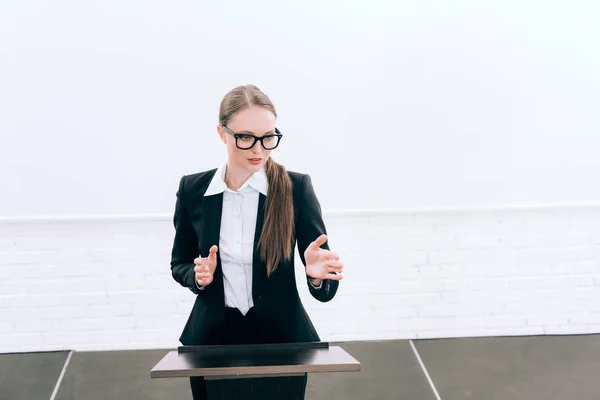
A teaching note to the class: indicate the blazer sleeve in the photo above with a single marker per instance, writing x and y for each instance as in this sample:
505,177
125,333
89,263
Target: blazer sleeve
309,226
185,243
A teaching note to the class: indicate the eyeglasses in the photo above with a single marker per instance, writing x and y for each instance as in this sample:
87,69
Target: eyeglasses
245,141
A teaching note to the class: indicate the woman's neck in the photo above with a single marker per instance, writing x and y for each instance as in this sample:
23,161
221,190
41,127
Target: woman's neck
235,177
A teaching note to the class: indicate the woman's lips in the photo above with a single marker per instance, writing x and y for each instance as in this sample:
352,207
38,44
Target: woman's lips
255,161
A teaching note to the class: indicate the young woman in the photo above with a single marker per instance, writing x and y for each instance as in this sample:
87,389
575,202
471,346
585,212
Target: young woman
236,228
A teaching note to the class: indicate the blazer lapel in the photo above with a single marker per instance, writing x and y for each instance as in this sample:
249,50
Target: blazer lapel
213,207
211,233
259,273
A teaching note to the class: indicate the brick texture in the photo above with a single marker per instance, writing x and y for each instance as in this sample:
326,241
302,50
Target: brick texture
105,283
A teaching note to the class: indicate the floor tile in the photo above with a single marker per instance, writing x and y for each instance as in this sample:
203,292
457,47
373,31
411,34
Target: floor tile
389,371
514,368
25,376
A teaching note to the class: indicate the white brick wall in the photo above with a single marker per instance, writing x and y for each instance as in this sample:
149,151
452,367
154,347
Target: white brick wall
105,283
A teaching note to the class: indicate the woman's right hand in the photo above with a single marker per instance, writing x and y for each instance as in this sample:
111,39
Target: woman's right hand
205,267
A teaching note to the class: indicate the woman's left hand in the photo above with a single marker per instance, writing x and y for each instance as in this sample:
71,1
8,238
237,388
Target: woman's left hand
321,263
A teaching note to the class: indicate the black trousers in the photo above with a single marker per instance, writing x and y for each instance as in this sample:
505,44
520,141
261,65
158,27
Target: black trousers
239,329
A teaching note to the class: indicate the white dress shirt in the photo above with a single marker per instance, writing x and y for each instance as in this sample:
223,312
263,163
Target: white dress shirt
236,239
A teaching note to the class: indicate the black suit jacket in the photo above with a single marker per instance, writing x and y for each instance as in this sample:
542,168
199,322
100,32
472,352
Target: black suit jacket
280,314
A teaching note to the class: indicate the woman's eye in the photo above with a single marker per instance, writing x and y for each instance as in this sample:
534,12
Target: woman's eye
246,137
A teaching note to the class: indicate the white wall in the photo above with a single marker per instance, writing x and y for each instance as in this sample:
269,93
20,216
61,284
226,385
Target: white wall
106,284
104,105
436,108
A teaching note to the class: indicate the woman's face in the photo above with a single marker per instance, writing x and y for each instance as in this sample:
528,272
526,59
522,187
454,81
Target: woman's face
257,121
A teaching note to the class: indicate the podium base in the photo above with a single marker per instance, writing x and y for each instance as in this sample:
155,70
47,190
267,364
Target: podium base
257,388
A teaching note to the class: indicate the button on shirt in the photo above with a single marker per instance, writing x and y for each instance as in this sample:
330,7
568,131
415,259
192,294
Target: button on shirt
236,240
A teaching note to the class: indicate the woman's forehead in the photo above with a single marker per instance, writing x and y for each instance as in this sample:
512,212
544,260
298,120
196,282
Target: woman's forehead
255,120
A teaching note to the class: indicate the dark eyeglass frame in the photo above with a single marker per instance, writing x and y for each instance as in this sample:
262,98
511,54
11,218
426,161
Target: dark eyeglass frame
277,134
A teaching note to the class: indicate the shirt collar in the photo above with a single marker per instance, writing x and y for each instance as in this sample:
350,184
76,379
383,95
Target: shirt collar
257,181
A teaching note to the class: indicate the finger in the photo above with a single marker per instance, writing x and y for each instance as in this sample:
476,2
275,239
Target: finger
202,275
212,256
318,242
204,282
197,260
201,268
335,264
334,277
335,268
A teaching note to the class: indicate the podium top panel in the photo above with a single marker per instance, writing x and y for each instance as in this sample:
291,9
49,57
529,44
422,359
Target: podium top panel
248,348
254,361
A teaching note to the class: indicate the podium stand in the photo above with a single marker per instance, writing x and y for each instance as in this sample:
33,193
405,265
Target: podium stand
261,371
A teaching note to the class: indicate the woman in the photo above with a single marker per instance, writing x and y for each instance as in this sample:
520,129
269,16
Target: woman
236,228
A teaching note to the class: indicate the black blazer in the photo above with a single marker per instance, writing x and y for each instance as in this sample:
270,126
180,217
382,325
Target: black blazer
278,309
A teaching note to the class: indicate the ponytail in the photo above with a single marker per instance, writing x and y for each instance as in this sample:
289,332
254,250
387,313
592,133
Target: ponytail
276,238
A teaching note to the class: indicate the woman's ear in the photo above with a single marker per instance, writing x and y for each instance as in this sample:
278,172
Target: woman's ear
222,134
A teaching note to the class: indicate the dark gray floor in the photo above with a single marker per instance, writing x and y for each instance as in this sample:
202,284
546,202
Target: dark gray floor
30,375
389,370
517,368
119,375
532,368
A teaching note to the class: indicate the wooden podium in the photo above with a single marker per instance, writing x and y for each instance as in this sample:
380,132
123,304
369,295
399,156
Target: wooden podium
261,371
